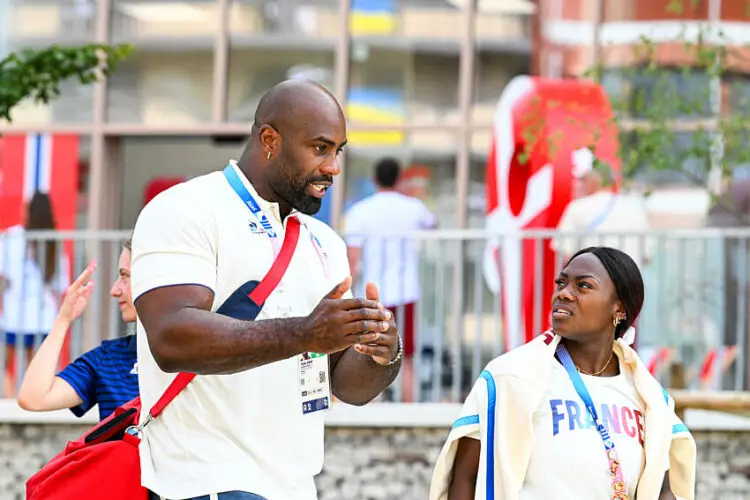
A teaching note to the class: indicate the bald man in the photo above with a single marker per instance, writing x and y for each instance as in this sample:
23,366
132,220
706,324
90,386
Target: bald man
250,425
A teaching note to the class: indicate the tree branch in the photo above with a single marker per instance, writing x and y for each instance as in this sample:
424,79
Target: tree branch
37,74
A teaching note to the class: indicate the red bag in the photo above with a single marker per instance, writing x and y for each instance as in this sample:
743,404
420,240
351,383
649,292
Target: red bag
104,463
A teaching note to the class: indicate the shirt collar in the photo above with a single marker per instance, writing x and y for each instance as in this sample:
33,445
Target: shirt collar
132,344
264,205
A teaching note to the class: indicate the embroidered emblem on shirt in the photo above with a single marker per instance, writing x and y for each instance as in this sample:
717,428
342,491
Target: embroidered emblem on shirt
254,228
134,370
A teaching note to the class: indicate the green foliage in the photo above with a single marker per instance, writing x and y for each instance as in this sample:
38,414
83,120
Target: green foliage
37,74
675,119
682,122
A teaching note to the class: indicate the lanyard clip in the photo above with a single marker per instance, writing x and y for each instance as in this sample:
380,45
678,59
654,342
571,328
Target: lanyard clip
137,430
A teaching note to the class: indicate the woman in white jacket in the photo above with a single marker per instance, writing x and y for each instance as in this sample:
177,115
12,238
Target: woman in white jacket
574,414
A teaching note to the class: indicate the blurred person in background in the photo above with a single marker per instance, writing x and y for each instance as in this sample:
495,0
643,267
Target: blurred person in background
106,375
392,263
33,277
598,209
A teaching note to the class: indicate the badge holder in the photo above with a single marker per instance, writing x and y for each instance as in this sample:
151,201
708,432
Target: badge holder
315,383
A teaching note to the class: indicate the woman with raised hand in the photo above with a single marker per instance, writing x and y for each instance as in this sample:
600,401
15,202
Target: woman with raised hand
106,375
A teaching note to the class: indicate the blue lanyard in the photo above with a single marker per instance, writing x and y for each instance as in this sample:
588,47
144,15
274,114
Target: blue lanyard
236,183
583,393
619,491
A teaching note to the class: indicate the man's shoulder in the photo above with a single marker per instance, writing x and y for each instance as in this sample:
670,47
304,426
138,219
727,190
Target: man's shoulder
360,205
590,204
632,200
583,201
390,200
412,200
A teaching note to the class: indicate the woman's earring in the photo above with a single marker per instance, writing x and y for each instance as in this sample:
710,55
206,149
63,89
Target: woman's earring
615,321
268,156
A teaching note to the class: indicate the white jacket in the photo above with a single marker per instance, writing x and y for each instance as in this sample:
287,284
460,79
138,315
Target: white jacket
502,404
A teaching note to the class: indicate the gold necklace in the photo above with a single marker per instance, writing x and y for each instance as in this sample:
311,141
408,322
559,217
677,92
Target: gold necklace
603,368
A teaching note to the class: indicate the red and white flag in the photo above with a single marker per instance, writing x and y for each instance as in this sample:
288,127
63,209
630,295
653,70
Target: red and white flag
39,162
538,124
715,365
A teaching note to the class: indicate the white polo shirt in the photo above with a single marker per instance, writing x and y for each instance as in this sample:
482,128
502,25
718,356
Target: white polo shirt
243,431
392,263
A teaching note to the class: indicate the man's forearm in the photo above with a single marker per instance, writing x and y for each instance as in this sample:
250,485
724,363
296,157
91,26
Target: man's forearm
356,379
207,343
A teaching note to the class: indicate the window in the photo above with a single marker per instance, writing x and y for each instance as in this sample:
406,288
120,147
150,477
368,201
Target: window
666,160
661,93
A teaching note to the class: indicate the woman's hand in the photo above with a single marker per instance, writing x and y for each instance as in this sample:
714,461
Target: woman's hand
77,296
41,390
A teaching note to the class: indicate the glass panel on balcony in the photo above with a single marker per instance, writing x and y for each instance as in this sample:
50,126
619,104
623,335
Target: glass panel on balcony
504,25
73,106
503,50
286,23
38,23
162,88
655,93
391,86
405,22
439,22
492,72
157,23
252,71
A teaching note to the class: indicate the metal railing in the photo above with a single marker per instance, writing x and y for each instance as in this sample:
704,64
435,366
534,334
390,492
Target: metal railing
30,304
692,331
695,316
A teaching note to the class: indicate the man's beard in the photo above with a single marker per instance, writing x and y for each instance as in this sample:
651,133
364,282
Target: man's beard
295,193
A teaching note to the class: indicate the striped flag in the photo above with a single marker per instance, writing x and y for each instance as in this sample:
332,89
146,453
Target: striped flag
715,365
656,360
43,162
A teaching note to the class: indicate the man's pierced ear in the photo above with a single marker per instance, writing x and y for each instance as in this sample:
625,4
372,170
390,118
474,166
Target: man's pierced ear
268,139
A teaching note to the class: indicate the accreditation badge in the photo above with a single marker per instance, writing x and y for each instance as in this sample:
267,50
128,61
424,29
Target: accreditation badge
315,384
